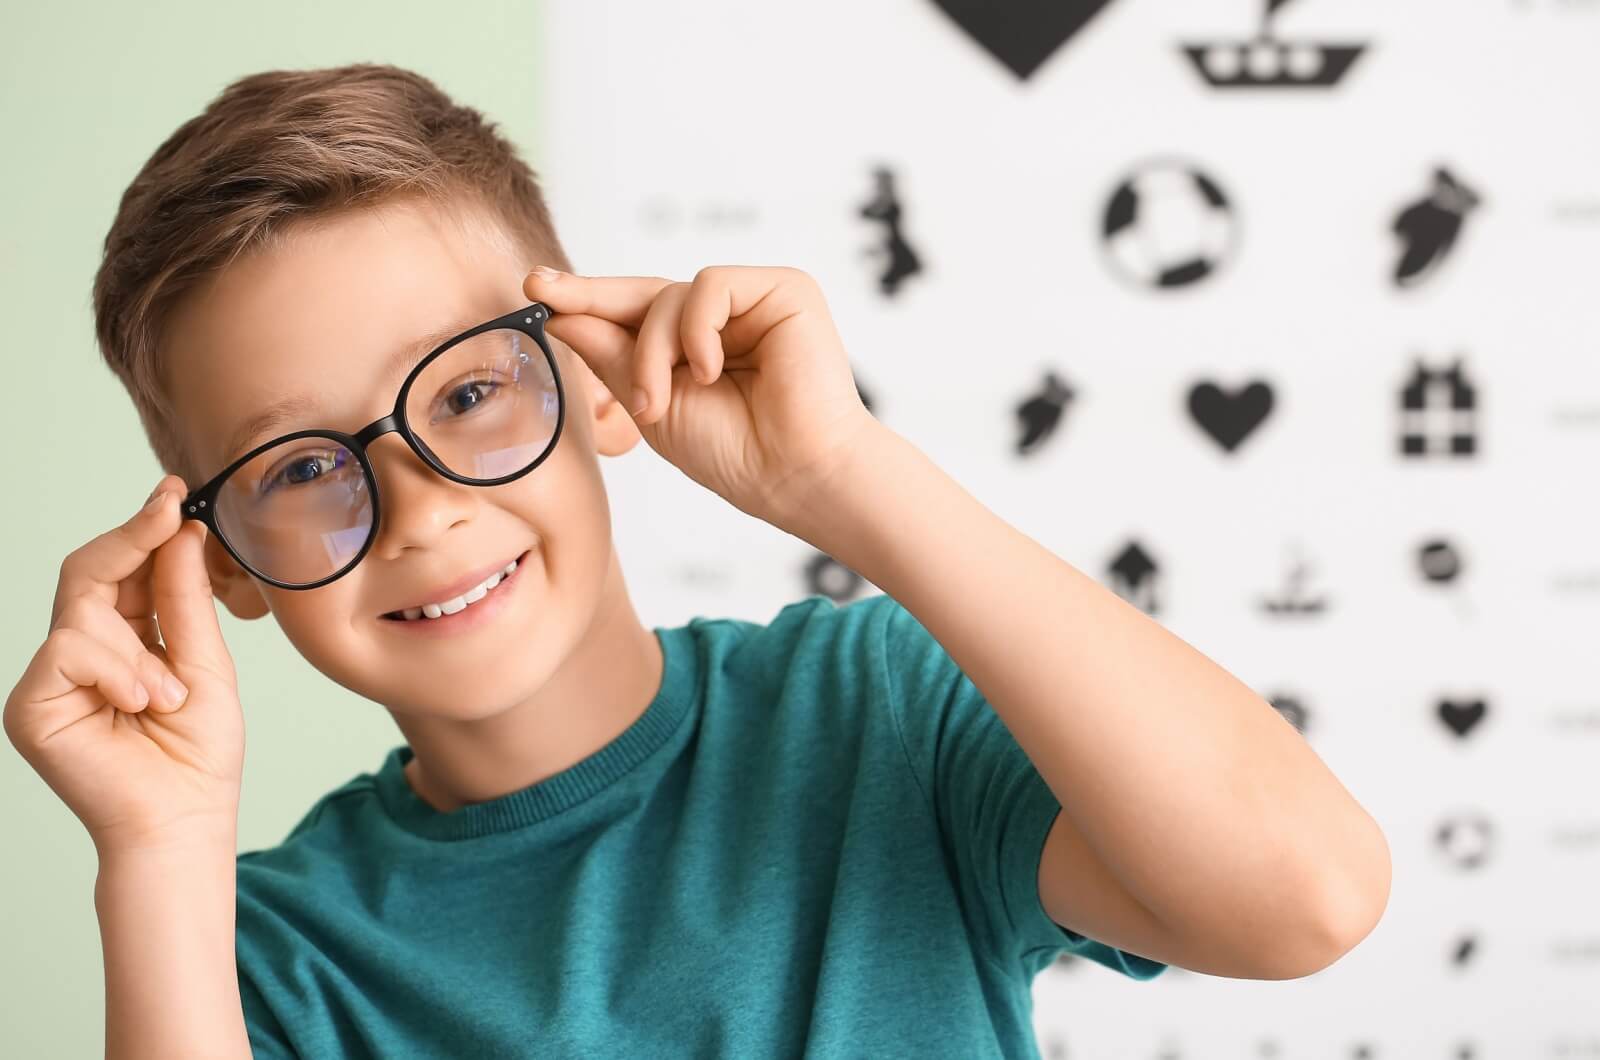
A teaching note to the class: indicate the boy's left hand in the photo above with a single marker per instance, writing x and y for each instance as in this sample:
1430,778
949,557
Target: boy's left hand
749,390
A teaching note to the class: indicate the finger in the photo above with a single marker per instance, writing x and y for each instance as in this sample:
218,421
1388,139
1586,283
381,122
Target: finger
648,389
606,349
167,693
100,621
92,615
147,629
705,314
735,301
100,565
71,659
186,609
622,300
134,597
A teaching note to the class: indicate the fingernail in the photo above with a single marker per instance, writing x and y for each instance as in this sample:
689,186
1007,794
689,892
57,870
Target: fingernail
155,499
639,400
141,695
545,272
174,690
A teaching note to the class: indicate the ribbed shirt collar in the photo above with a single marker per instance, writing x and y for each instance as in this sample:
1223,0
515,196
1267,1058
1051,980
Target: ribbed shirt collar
573,785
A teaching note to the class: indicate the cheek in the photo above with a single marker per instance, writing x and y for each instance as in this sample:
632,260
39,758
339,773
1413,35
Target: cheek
320,624
561,496
565,504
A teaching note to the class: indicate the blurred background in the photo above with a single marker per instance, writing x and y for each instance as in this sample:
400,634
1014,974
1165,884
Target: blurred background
1278,318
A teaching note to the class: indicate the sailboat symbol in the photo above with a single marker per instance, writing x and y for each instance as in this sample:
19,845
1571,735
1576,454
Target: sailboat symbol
1270,62
1295,600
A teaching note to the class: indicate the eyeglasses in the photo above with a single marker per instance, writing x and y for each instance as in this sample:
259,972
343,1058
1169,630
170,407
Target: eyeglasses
481,409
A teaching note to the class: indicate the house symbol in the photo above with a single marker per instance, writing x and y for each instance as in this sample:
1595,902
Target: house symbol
1133,578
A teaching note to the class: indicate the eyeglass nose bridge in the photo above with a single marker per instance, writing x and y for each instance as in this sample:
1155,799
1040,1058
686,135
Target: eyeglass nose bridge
378,428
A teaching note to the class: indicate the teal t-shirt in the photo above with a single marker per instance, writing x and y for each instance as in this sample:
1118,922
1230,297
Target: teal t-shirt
817,840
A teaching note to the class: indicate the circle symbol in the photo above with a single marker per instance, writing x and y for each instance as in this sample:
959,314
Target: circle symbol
1168,225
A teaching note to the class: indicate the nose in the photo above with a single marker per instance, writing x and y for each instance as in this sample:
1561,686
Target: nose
417,505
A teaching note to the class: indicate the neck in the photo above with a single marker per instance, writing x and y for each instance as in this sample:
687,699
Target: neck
610,677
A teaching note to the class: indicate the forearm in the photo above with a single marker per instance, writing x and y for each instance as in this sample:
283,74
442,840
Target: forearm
1209,809
167,931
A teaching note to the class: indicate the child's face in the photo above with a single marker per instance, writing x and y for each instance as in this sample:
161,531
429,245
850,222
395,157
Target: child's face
318,318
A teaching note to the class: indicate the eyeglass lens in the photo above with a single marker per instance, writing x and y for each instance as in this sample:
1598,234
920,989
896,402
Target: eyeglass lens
485,408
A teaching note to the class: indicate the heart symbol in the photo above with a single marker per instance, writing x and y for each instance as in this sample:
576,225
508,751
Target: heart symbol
1229,418
1021,33
1462,718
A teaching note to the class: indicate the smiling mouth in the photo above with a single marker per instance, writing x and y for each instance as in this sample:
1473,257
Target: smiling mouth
455,604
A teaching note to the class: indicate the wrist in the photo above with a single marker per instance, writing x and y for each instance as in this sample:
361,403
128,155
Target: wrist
866,487
807,505
169,847
210,818
183,873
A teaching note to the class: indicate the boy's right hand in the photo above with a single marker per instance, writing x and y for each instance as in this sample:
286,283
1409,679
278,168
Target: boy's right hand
95,713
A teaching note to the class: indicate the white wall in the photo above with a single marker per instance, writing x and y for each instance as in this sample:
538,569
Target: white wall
678,135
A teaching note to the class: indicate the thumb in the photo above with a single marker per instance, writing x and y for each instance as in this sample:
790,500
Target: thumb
605,348
185,608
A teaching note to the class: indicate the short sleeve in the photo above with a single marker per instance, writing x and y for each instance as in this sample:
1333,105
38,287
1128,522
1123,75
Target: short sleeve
268,1041
994,809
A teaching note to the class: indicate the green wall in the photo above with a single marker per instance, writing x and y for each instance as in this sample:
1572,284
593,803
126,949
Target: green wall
89,91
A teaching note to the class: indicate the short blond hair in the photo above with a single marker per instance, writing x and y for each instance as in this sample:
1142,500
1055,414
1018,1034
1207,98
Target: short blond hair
286,148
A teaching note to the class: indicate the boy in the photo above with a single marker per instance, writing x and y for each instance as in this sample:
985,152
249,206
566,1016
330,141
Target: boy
815,836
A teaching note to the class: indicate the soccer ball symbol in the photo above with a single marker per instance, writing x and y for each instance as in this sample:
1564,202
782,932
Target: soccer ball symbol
1167,225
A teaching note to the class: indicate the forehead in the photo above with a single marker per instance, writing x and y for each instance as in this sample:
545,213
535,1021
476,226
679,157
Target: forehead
316,317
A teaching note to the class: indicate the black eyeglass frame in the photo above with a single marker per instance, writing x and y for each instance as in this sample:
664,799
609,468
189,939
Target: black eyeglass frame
201,505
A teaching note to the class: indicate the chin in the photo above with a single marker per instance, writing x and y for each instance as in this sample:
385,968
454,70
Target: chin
461,697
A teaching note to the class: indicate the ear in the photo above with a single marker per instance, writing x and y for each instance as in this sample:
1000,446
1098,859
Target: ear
231,583
602,416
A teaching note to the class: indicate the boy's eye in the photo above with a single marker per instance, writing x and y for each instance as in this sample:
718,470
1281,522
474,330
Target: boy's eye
468,396
303,467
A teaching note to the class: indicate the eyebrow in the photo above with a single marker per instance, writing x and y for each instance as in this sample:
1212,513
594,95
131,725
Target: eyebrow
293,408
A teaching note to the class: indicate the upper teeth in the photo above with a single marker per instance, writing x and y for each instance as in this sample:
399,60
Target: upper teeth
457,603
